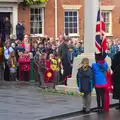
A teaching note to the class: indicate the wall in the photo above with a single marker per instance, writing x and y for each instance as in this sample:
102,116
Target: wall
50,18
24,16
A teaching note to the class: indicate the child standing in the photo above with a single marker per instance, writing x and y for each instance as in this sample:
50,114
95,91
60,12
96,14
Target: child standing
42,68
55,66
12,63
85,83
100,67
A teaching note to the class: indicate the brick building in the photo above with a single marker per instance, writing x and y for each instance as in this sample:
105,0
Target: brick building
59,16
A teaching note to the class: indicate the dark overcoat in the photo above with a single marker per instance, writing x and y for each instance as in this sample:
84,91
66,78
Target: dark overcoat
116,76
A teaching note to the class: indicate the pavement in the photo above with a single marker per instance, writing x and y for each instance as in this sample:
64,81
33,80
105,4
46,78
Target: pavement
24,102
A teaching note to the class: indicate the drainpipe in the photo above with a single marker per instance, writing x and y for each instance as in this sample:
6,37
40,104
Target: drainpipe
56,27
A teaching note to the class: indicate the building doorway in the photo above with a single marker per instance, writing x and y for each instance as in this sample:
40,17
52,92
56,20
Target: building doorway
2,17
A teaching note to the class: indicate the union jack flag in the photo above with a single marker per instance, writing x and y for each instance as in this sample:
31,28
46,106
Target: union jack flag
100,38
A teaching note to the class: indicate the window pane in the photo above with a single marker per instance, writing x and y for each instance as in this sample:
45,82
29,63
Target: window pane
66,24
75,30
40,30
75,24
40,18
75,19
66,31
36,11
35,24
31,24
66,13
70,24
70,30
40,24
32,11
32,17
70,19
31,30
36,30
70,13
66,19
75,14
107,28
40,11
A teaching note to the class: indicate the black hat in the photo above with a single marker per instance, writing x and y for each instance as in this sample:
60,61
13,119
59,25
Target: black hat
99,56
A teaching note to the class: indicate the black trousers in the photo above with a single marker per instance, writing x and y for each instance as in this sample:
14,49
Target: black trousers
20,37
18,73
6,72
25,76
100,97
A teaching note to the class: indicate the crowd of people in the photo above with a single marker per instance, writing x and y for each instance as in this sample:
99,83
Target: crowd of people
57,55
113,46
63,48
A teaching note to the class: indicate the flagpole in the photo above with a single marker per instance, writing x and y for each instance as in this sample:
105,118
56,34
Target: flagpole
100,2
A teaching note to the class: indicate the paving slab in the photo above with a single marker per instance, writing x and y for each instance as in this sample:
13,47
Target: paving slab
27,103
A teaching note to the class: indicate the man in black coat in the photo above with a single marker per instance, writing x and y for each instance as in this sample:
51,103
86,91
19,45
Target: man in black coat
63,48
116,77
20,31
63,53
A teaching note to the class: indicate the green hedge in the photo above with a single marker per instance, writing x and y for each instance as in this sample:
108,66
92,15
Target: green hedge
35,1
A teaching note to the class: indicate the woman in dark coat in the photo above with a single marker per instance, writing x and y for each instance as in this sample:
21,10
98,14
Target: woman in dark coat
7,28
116,77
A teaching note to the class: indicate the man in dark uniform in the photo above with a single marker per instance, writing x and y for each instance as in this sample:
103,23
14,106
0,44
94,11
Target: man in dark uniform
116,77
20,31
63,53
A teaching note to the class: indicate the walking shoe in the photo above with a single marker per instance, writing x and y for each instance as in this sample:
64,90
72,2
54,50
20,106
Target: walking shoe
97,110
101,110
84,110
87,112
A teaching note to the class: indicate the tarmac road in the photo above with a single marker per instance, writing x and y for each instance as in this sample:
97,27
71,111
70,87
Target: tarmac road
111,115
19,101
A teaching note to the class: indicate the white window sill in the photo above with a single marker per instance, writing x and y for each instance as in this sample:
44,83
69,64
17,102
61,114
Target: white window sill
74,35
36,35
109,35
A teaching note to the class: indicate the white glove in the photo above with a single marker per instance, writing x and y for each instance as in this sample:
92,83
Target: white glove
62,71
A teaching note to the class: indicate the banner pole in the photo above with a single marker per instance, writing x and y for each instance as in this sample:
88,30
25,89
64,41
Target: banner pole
100,2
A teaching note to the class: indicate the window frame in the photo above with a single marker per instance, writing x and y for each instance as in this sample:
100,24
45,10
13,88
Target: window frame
38,7
72,10
110,22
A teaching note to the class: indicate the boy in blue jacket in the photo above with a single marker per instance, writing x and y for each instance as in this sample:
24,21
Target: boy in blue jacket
85,83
